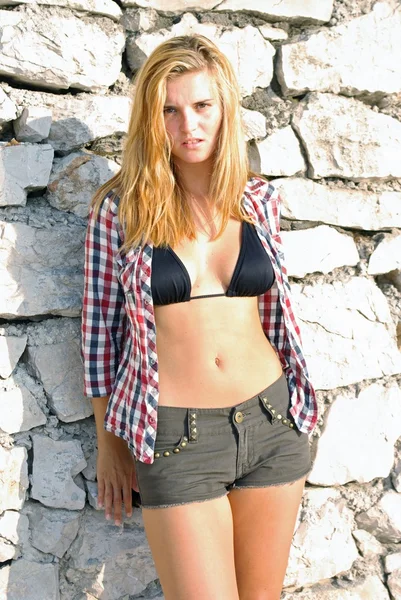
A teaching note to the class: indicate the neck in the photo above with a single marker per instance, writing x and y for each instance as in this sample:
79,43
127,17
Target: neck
195,179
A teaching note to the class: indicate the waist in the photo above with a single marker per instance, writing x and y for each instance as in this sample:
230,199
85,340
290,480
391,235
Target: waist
217,375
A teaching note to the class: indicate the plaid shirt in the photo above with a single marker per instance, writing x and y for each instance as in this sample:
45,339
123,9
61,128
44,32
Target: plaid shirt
119,332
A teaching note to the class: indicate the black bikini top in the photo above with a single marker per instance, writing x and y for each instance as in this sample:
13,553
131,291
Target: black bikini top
253,274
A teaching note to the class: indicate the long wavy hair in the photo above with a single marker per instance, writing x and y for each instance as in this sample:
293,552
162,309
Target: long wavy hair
152,202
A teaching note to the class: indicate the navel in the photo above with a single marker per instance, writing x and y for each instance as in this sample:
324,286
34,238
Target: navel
217,361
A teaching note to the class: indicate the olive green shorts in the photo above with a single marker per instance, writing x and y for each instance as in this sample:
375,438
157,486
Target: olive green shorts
204,453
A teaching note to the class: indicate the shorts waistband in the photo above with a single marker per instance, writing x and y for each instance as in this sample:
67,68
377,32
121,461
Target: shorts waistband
215,418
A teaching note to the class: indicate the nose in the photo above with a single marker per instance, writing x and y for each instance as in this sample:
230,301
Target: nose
189,121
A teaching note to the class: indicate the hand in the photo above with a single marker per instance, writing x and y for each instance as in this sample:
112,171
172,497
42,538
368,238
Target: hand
116,477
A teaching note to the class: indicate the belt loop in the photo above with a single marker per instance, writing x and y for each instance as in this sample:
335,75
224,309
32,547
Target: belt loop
192,425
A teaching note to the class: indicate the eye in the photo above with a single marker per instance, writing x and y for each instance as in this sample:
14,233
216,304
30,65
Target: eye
169,110
203,105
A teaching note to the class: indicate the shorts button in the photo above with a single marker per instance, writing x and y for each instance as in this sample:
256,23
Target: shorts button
238,417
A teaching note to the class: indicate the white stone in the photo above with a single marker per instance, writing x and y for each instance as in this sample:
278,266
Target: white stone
367,544
19,410
237,44
83,54
344,138
14,534
23,168
297,11
280,154
383,520
108,562
317,250
92,491
33,125
82,119
394,584
396,473
40,270
171,5
369,588
254,124
52,530
13,477
107,8
392,562
11,349
75,178
272,33
8,110
58,366
25,580
55,463
347,332
355,445
360,56
387,256
322,545
307,200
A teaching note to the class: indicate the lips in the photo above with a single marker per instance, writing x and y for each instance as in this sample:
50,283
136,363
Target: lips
192,142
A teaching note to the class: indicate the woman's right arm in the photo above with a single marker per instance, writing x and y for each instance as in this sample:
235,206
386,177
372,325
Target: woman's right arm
102,332
115,467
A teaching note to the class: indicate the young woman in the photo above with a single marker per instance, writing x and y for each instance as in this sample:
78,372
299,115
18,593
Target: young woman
191,350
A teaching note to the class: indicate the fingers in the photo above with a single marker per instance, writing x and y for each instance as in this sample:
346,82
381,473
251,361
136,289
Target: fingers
134,482
113,494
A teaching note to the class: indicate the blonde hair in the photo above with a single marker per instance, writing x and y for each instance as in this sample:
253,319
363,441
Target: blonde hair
152,204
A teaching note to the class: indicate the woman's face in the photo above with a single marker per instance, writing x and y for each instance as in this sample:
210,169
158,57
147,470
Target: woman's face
192,116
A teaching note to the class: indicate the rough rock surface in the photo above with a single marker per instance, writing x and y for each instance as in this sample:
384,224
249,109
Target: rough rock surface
109,564
310,201
23,168
344,138
33,125
384,519
81,119
55,463
320,249
84,54
367,544
387,256
13,477
280,154
238,44
25,580
347,331
52,530
75,178
355,444
8,110
370,588
254,124
313,11
360,57
53,357
22,412
394,584
11,348
40,270
107,8
324,524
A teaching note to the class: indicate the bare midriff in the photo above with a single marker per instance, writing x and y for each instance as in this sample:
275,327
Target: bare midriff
212,352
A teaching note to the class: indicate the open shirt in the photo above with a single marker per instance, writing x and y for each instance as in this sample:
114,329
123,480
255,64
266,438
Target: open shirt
119,331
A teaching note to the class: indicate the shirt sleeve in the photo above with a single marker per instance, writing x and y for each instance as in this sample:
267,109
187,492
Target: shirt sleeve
103,310
273,210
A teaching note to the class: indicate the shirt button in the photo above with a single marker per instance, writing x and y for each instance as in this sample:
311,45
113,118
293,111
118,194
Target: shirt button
152,420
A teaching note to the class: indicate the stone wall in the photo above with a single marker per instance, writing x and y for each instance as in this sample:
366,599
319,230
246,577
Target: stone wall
321,86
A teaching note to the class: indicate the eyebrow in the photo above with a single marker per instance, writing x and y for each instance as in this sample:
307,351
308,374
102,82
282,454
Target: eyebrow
197,102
